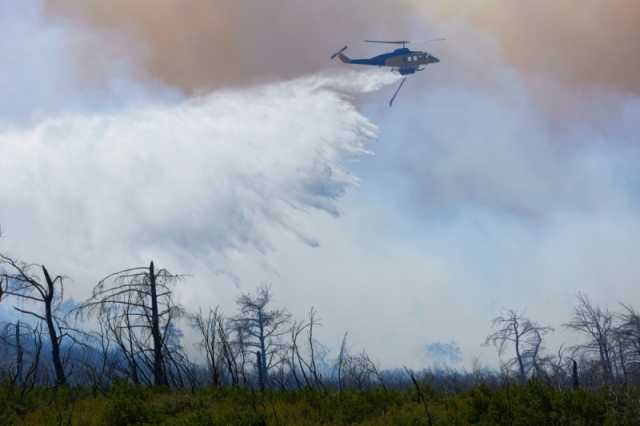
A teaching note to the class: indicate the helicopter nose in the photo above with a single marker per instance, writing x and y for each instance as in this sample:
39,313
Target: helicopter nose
434,59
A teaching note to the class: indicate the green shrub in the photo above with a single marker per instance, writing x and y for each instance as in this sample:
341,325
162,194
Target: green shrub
126,406
8,404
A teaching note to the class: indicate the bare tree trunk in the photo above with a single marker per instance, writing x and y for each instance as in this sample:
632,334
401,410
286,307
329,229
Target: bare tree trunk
227,353
314,366
574,374
521,369
131,357
341,356
53,333
31,376
207,327
263,350
605,358
19,355
623,361
259,360
159,376
294,370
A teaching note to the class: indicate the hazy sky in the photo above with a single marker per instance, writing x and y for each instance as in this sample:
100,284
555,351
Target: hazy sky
217,138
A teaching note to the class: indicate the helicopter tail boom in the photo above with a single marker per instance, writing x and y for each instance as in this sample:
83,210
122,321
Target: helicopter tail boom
344,58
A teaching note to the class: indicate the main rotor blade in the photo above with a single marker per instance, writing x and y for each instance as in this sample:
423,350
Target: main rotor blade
429,41
397,91
388,42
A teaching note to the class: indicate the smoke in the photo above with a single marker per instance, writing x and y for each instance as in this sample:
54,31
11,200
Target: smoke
41,75
35,73
593,44
196,44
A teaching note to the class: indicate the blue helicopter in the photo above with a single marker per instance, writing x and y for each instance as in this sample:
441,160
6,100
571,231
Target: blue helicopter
402,60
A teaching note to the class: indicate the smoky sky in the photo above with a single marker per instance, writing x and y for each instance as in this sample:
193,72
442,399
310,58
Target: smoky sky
196,43
592,43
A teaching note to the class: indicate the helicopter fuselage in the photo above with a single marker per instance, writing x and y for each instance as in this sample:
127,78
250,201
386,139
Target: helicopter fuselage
403,60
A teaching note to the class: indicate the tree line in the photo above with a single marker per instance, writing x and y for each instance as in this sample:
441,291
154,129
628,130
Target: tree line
131,328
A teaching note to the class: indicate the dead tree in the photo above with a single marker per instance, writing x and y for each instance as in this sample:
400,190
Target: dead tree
522,335
22,282
297,363
230,360
240,348
138,304
356,370
19,353
11,337
99,363
119,327
627,335
575,381
305,361
263,327
597,325
557,368
360,371
340,363
26,341
210,342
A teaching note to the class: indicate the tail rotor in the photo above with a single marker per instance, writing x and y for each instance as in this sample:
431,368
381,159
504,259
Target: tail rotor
338,53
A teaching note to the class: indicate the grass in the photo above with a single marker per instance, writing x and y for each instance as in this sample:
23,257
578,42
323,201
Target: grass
125,404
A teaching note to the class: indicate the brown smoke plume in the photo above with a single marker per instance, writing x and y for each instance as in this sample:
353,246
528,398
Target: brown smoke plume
590,43
203,43
198,44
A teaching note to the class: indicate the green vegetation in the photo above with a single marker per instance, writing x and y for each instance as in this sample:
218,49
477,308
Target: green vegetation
532,404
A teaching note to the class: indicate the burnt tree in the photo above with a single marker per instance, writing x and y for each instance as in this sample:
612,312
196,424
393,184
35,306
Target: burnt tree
523,336
597,325
137,305
21,281
263,326
211,342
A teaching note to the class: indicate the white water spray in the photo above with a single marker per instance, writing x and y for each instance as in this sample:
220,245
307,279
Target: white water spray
210,174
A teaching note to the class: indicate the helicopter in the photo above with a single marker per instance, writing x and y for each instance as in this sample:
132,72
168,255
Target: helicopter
402,60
